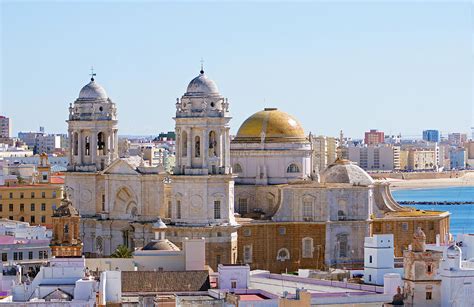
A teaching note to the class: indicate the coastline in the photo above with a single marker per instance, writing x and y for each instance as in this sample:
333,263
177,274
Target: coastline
399,184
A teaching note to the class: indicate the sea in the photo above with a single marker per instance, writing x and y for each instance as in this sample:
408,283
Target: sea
462,216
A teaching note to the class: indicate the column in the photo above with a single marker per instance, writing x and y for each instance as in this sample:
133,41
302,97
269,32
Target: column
115,150
71,147
93,147
205,151
79,147
190,144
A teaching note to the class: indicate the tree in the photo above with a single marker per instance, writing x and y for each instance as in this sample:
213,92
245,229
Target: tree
122,252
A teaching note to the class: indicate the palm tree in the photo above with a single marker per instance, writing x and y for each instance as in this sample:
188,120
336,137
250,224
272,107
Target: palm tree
122,252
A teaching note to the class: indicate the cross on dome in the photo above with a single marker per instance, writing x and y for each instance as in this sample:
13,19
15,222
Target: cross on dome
92,74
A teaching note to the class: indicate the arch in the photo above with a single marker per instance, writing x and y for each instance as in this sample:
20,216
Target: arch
124,200
184,142
307,247
132,209
237,169
99,245
101,143
212,144
283,254
293,168
197,147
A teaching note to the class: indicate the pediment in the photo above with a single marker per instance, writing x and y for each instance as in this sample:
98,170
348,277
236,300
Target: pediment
120,167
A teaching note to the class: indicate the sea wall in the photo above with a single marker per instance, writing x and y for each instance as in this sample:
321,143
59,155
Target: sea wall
420,175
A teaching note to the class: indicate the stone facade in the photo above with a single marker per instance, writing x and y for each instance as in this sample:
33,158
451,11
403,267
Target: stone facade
262,244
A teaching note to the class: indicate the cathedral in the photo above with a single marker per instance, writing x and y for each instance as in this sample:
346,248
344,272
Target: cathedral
256,198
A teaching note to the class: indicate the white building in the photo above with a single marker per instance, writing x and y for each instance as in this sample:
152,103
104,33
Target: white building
378,258
234,276
23,244
63,281
376,157
457,278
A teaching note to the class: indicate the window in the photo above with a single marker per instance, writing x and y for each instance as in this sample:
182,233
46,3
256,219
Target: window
10,207
20,255
22,207
30,255
243,205
283,254
370,277
32,207
43,194
307,209
178,209
341,216
342,245
217,209
429,295
88,145
429,268
15,256
43,207
388,227
10,217
32,194
11,195
66,228
405,226
1,207
307,247
248,254
282,231
54,194
4,257
22,218
43,219
431,225
247,232
169,208
233,284
22,195
103,202
293,168
237,168
32,219
212,144
53,206
370,259
197,147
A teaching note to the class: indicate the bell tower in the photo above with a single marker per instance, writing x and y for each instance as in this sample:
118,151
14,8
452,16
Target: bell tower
92,129
203,184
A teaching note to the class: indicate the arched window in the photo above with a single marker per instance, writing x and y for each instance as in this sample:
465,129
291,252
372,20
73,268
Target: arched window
212,144
342,245
307,247
99,245
178,209
197,147
283,254
293,168
101,143
237,168
88,145
184,147
75,144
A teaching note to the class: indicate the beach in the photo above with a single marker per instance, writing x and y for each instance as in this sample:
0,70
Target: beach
467,180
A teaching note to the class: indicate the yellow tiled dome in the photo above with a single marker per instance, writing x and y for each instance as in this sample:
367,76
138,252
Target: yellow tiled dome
273,126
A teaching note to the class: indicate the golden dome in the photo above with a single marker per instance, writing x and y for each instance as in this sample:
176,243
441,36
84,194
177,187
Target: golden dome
273,125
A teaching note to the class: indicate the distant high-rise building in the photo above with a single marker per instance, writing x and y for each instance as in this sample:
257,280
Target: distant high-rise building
431,136
374,137
457,138
5,127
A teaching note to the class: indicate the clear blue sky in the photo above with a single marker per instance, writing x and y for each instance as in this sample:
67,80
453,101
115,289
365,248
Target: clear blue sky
396,67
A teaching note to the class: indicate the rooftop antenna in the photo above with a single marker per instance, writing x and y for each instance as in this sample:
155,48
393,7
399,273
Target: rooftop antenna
202,66
92,74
